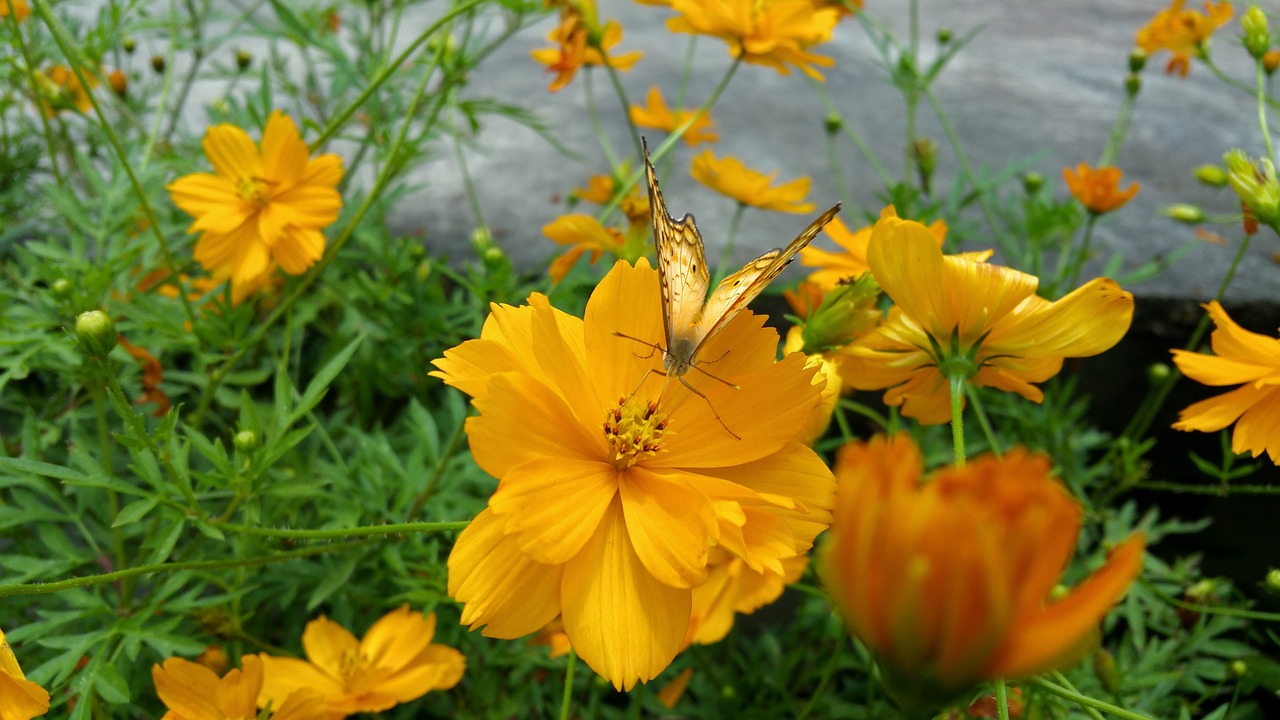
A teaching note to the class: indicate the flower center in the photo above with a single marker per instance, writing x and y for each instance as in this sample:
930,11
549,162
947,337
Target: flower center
352,665
634,432
254,190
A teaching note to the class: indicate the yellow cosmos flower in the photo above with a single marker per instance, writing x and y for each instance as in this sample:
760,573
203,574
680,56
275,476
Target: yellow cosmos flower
773,33
656,114
733,588
60,89
21,698
18,8
615,492
949,579
582,233
260,209
192,691
600,190
1182,32
730,177
828,366
834,267
580,40
1098,190
956,312
1241,358
395,662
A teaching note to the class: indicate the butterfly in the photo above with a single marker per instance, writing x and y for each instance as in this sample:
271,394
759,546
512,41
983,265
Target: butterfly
689,317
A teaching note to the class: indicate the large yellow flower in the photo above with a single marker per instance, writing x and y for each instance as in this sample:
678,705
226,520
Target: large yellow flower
1182,32
949,579
1098,189
20,699
655,113
192,691
1242,358
835,267
730,177
956,312
582,41
394,662
260,209
614,492
774,33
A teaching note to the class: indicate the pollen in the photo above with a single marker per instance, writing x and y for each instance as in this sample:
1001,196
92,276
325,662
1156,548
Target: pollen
254,190
634,431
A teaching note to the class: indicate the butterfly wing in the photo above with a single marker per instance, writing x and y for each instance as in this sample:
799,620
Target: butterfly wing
738,290
682,272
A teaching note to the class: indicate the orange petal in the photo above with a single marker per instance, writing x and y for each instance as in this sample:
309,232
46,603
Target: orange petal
282,677
1218,412
553,504
237,694
284,155
516,402
327,643
670,525
1231,340
232,153
1259,427
186,688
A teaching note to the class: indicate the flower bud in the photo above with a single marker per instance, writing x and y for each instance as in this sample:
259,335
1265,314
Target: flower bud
244,59
1239,668
833,122
1137,60
61,288
1211,175
1032,182
1132,83
246,441
1257,36
1270,61
1184,213
1273,579
214,658
1158,373
1255,184
97,333
944,36
158,63
119,83
129,45
1104,667
847,312
482,239
926,155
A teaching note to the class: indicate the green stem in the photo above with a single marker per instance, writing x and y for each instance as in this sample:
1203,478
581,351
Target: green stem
1262,109
568,684
1084,700
342,533
29,61
984,422
88,580
1213,68
957,382
1075,264
832,662
113,498
867,153
1218,490
1225,611
954,139
434,480
616,81
593,117
1002,700
1064,682
1119,130
833,158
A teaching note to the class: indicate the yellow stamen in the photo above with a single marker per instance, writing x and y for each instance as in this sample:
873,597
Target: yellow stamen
634,432
254,190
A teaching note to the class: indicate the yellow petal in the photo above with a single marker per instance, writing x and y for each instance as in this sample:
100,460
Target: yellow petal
1259,427
554,504
323,170
1086,322
1220,370
232,153
397,638
670,525
624,623
1231,340
498,585
187,689
516,402
284,155
436,668
237,695
283,677
22,699
297,249
327,643
1218,412
626,301
239,254
310,206
301,704
212,200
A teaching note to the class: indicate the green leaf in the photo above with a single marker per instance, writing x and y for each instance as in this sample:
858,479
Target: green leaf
35,467
110,685
320,383
134,511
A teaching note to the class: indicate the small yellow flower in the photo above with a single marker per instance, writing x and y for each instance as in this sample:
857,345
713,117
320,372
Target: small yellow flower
18,8
835,267
1098,190
773,33
1242,358
581,41
583,234
192,691
950,579
615,488
656,114
1185,33
958,313
730,177
395,662
260,209
733,588
828,366
60,89
20,699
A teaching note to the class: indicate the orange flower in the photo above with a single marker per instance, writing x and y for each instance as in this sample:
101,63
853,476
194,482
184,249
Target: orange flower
18,8
730,177
60,89
582,233
193,692
395,662
152,376
968,316
656,114
260,208
1241,358
20,699
774,33
1185,33
581,41
835,267
617,491
949,579
1098,190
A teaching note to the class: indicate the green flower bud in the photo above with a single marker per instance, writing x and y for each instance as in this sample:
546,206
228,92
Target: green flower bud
1273,579
244,59
97,333
1255,184
246,441
846,313
1211,175
926,154
158,63
1137,60
833,122
1104,667
482,239
1257,36
1185,213
1132,83
1032,182
1158,373
944,36
61,288
1239,668
129,45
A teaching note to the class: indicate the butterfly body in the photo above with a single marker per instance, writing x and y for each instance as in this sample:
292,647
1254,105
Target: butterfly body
689,316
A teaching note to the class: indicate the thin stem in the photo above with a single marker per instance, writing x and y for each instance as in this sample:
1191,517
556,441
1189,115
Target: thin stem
958,148
832,662
1218,490
593,116
189,80
29,61
867,153
984,422
1213,68
1079,256
1064,682
833,157
957,382
1002,700
568,684
342,533
616,81
434,480
1084,700
1119,130
1262,109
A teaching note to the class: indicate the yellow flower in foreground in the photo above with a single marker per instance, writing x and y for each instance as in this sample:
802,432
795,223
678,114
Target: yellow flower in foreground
1182,32
20,699
1098,190
18,8
656,114
774,33
1242,358
833,267
262,208
948,579
730,177
582,233
984,320
614,493
192,691
580,40
395,662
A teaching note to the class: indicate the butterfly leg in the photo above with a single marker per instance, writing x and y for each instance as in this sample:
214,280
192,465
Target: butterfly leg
697,392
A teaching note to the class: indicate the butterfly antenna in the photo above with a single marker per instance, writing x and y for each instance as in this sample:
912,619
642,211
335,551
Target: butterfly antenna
697,392
713,377
652,346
